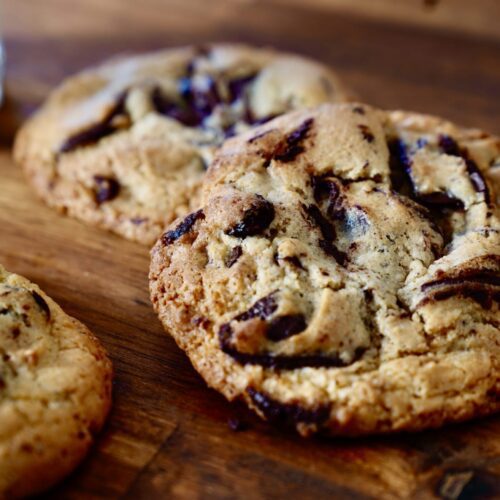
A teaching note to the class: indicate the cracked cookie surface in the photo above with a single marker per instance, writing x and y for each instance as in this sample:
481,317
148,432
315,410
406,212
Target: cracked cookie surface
343,275
55,389
125,145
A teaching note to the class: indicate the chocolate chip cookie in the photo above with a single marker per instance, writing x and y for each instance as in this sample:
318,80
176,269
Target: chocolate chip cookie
343,275
55,389
125,145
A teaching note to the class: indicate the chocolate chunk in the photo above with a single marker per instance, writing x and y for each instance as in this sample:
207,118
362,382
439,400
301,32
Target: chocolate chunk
484,277
238,86
450,147
327,231
366,133
400,165
234,255
255,219
262,309
482,286
477,179
439,200
279,328
177,111
325,187
204,99
106,189
318,219
41,304
292,146
184,227
294,260
96,131
284,327
281,362
288,413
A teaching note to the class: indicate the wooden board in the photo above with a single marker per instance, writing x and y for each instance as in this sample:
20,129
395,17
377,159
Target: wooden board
168,435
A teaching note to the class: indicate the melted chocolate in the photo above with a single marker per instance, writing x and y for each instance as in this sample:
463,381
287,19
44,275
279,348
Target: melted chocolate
327,231
292,146
294,260
450,147
439,200
366,133
288,413
238,86
400,165
284,327
106,189
482,286
184,227
96,131
42,304
233,256
255,219
262,309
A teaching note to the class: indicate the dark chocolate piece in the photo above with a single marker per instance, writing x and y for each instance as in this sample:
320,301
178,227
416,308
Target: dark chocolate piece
106,189
96,131
400,165
284,327
294,260
482,286
439,200
288,413
255,220
238,86
366,133
177,111
292,146
185,226
327,231
262,309
234,255
42,304
450,147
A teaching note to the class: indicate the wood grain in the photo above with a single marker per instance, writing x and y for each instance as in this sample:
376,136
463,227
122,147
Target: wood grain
168,435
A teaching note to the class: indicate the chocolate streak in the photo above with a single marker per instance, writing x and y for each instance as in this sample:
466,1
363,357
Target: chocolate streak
279,328
255,219
184,227
288,413
292,146
96,131
482,286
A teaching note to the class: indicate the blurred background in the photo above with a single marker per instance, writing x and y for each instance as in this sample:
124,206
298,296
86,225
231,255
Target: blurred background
437,56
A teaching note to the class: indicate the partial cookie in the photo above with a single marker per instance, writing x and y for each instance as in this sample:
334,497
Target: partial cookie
55,389
343,275
125,145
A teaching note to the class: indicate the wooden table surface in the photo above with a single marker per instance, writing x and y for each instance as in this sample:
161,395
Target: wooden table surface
167,435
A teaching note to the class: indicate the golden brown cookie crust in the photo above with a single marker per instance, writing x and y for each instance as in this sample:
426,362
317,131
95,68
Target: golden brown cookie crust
55,389
343,275
124,146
